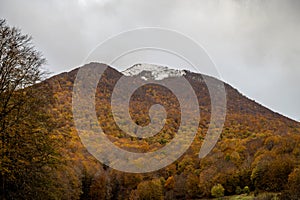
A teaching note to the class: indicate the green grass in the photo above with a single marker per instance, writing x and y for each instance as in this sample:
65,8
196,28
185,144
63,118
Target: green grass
241,197
248,197
237,197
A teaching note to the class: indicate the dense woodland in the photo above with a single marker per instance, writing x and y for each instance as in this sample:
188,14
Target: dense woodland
42,156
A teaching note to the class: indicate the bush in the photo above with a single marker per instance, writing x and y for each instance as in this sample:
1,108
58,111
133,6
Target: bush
246,190
217,191
238,190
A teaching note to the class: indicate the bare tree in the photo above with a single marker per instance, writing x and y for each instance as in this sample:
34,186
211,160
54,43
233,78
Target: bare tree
20,67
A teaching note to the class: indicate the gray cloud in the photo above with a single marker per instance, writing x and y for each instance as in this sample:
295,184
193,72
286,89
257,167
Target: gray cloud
254,43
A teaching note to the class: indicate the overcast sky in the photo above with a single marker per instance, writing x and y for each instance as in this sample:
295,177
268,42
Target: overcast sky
254,43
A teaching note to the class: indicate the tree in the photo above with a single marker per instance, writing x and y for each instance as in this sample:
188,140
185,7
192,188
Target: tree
271,174
151,189
192,187
27,146
98,189
293,186
169,184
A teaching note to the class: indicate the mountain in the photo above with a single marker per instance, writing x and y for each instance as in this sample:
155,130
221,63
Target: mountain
152,72
258,148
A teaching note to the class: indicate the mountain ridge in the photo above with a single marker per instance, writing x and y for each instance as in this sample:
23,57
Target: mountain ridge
185,73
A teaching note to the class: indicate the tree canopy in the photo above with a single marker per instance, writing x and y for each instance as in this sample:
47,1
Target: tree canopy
27,147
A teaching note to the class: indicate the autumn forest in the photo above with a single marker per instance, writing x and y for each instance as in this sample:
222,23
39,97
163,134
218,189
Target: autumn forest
42,157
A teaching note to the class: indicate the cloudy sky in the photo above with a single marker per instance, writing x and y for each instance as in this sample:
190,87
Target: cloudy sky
254,43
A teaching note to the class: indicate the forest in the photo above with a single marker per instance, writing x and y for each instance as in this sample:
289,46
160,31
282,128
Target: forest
42,156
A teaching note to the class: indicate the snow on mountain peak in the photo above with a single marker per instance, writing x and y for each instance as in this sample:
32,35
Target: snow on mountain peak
151,71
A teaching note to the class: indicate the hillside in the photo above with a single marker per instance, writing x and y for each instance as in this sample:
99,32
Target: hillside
257,148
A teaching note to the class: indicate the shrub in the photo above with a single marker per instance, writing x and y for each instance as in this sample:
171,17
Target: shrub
238,190
217,191
246,190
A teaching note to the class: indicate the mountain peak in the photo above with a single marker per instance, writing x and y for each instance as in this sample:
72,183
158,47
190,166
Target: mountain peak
152,72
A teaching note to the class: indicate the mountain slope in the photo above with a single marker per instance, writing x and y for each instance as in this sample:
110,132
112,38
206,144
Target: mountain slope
252,139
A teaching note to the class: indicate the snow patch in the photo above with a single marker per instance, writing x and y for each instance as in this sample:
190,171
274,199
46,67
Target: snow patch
154,72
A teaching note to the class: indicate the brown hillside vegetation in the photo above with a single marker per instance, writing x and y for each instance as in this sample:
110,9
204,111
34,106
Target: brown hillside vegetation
258,149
